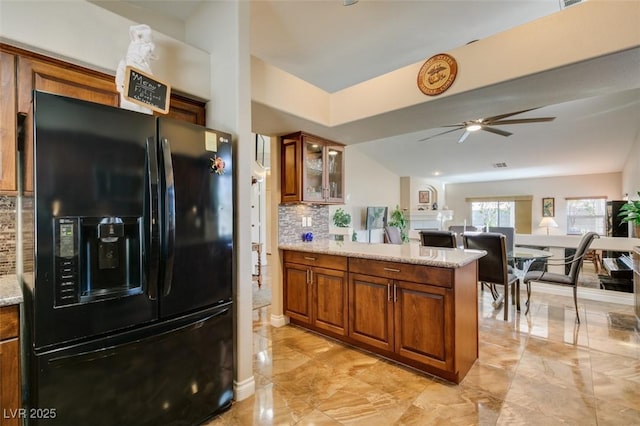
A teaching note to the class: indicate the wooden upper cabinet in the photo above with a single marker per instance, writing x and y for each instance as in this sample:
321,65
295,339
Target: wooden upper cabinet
22,71
185,109
7,123
312,169
66,80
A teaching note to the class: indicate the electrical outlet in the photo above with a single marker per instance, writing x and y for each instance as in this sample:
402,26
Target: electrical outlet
309,221
304,221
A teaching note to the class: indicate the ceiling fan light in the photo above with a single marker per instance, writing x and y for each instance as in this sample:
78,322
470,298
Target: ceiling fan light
473,127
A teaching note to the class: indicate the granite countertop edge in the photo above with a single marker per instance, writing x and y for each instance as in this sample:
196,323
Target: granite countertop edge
467,257
10,291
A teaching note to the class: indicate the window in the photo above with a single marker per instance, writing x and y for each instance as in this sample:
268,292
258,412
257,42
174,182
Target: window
493,213
586,215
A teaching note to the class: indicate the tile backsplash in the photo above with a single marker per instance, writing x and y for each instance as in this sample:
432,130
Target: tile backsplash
290,218
7,235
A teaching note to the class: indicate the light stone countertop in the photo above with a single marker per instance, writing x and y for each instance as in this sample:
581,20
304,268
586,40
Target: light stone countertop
403,253
10,291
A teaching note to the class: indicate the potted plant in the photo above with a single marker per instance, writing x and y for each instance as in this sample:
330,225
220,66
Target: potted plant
341,222
630,213
397,218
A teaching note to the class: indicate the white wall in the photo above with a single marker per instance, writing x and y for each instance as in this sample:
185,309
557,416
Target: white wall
631,172
608,184
368,183
222,29
88,35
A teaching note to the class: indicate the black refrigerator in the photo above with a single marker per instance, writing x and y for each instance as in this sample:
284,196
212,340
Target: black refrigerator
127,268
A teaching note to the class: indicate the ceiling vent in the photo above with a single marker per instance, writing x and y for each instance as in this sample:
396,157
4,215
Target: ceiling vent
567,3
499,165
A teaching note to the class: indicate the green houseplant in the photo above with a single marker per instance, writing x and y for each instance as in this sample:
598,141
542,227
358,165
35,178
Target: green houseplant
397,218
342,223
341,219
630,213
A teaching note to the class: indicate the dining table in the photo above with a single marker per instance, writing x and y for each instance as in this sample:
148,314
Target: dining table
524,258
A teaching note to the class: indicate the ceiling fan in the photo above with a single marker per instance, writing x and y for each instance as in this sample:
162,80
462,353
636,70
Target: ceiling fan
487,123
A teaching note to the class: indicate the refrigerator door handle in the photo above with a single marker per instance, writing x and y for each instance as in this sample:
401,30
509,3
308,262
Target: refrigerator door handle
152,223
169,216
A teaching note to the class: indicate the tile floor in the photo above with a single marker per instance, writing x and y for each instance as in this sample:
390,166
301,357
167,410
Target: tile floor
539,369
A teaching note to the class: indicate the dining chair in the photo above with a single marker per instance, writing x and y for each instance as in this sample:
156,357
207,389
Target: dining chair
509,232
570,279
392,235
432,238
493,268
459,230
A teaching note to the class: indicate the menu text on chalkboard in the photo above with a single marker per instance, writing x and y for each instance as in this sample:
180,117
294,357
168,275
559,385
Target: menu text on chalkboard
146,90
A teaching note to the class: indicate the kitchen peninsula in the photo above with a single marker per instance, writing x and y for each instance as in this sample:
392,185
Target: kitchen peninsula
415,305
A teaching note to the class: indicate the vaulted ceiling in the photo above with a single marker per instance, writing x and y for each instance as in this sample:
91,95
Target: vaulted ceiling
333,47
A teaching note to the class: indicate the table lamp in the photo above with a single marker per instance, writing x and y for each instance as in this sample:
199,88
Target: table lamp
548,222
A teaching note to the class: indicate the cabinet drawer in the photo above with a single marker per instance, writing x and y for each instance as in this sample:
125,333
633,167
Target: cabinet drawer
431,275
9,322
314,259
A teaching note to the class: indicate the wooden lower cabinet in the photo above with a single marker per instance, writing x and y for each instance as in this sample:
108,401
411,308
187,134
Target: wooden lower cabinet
422,316
412,320
371,311
9,366
315,295
422,324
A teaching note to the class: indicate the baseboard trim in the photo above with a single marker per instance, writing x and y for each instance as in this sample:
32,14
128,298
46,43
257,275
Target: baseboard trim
598,295
279,320
243,390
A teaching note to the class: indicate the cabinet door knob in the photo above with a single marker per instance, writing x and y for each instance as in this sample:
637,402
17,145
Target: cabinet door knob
391,270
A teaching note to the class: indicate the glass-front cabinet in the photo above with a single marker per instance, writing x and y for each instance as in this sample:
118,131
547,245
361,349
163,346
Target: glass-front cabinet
312,169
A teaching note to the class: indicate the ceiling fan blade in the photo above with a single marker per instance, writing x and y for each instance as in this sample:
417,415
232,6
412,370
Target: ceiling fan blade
491,120
523,121
464,136
443,133
496,131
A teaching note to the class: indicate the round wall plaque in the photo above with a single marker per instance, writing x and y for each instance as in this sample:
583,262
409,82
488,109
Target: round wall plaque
437,74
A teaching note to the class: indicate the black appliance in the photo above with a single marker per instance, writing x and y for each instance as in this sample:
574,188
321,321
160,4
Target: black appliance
615,226
127,268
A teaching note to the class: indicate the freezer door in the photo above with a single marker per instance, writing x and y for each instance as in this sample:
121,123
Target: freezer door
197,209
93,220
175,373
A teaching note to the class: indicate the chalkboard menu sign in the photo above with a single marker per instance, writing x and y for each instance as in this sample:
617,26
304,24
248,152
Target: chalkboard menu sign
146,90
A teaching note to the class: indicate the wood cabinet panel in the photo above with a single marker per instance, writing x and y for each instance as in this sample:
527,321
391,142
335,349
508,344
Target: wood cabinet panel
184,109
370,311
8,182
35,74
423,319
330,300
9,364
297,292
316,259
9,321
403,271
291,174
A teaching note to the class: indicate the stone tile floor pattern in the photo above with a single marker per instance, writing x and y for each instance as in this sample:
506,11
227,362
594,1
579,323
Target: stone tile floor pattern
537,369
